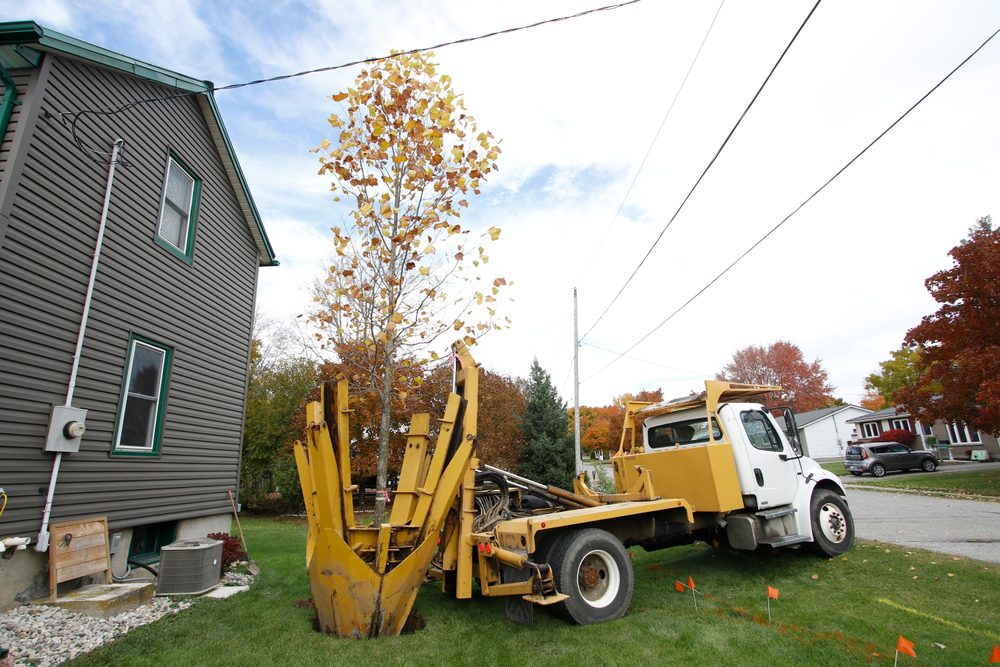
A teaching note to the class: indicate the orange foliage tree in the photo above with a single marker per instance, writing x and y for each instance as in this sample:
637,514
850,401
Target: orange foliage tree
804,385
601,427
959,344
407,157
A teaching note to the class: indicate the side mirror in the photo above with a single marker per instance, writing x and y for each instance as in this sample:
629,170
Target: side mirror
792,430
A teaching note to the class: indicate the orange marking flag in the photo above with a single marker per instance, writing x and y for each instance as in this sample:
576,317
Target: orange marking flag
772,592
691,583
679,587
904,645
995,655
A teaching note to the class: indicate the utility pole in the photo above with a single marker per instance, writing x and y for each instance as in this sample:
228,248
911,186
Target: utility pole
576,385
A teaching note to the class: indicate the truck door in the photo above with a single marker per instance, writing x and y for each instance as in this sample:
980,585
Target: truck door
776,480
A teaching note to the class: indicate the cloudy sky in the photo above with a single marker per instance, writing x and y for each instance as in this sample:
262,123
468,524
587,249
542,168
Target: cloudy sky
578,104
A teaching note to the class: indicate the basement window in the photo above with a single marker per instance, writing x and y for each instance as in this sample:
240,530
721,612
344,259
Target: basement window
139,423
149,539
178,209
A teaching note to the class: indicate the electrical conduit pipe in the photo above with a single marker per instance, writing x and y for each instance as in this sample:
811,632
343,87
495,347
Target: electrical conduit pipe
42,543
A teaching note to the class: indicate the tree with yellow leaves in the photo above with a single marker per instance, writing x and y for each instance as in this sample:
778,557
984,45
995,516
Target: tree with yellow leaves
407,157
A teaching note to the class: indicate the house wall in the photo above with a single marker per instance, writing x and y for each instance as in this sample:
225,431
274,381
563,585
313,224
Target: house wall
961,450
827,437
203,310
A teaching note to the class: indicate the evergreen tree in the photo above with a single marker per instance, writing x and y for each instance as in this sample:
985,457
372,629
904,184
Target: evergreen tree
548,453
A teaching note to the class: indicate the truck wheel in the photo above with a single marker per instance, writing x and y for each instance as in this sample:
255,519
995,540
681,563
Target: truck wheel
878,470
832,523
592,567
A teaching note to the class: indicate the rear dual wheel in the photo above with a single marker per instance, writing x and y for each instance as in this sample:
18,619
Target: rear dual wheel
593,568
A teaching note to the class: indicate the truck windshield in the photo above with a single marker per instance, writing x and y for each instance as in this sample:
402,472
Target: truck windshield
689,432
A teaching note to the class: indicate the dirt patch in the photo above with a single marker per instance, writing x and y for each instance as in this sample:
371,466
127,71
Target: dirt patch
304,603
414,623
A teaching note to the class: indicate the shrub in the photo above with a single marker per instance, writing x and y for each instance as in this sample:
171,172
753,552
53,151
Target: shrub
232,549
900,435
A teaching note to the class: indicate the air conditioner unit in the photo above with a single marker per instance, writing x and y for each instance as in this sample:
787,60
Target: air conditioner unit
189,567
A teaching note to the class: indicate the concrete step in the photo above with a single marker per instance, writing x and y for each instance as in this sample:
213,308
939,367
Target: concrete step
104,600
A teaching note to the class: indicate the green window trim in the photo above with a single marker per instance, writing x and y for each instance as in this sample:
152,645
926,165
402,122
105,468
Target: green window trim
187,253
163,385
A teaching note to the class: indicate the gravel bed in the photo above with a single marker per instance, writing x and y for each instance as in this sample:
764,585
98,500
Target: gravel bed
43,635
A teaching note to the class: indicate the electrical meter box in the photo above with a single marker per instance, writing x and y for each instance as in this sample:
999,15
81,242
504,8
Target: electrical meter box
66,428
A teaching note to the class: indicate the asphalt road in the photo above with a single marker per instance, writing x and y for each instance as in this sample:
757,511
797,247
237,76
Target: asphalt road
958,527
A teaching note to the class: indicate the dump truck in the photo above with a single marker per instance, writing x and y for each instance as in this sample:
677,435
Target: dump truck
709,467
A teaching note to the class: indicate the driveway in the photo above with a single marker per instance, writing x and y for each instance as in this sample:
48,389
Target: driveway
958,527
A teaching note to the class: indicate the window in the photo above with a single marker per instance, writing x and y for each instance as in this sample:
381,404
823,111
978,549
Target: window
760,431
903,424
962,433
178,209
149,539
871,429
690,432
143,397
925,428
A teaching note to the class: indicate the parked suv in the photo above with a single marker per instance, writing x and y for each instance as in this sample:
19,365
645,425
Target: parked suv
878,458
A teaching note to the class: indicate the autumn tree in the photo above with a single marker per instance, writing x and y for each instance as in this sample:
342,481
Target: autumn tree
547,455
803,384
959,344
601,428
501,404
873,400
277,388
406,158
902,369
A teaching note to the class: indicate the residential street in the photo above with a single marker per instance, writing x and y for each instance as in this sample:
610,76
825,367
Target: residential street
957,527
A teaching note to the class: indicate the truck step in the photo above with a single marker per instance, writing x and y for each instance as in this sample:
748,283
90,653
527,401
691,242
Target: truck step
545,600
784,540
776,512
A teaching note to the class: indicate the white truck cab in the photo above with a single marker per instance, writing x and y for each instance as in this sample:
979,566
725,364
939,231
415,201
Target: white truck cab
784,498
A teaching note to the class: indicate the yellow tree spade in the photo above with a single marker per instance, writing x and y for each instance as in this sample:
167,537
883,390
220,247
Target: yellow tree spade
407,156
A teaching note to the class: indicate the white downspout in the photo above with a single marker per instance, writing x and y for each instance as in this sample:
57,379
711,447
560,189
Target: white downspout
42,543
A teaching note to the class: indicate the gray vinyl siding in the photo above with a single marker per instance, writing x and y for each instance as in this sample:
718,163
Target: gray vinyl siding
21,80
202,310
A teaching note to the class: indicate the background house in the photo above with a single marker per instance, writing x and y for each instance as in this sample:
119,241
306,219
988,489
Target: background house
152,340
960,439
824,433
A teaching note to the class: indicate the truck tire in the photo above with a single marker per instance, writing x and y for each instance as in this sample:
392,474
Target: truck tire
593,568
832,523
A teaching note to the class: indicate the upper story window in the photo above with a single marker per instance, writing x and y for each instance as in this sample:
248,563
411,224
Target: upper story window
871,429
143,398
903,424
962,433
178,209
760,431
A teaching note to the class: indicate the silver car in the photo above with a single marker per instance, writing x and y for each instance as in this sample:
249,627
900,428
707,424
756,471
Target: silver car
879,458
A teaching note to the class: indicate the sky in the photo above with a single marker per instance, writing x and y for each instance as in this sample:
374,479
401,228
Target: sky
577,105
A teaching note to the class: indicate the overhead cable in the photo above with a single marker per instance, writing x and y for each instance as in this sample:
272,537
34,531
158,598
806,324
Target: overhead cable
704,172
799,207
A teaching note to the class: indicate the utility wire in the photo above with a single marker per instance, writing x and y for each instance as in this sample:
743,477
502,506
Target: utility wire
652,143
362,61
651,363
800,206
704,172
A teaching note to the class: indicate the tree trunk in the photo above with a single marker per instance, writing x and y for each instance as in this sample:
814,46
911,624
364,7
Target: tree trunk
385,424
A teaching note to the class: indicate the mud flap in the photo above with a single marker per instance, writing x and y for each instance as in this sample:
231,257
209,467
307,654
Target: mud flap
516,608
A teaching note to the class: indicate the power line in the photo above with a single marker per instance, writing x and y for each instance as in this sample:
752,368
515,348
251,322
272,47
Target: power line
705,171
362,61
651,363
800,206
652,143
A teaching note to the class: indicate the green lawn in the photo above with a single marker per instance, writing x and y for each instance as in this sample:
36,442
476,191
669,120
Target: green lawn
977,483
843,611
836,467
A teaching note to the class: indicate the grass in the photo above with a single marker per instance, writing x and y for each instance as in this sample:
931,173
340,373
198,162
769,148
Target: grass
836,467
976,483
842,611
